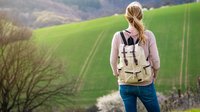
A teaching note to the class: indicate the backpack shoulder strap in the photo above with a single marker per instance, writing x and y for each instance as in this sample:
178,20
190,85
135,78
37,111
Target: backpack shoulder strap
137,41
123,38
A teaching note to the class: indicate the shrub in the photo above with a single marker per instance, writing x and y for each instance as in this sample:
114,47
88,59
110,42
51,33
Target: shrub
113,102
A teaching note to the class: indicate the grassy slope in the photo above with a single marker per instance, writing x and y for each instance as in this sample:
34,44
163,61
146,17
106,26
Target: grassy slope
194,47
85,47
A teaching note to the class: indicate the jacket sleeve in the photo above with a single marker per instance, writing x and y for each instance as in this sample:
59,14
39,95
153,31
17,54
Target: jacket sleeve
114,53
153,52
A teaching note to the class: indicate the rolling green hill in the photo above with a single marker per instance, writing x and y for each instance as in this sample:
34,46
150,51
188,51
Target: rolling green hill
85,47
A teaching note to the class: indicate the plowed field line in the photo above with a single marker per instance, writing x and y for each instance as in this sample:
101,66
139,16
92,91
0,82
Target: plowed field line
185,33
88,60
187,45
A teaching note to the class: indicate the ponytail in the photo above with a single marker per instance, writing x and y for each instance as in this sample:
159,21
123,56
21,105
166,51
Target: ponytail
134,16
140,27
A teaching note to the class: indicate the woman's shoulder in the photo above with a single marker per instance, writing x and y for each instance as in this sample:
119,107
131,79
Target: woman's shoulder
117,35
149,35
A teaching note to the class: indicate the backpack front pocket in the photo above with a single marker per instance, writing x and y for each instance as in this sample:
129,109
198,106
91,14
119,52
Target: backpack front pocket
133,77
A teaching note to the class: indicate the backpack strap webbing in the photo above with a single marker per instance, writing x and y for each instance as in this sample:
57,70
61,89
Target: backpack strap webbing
137,41
124,53
147,58
123,38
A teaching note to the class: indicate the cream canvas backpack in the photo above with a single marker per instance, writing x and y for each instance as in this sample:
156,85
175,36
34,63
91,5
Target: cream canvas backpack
133,66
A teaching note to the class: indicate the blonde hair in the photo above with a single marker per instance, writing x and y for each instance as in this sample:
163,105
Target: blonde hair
134,16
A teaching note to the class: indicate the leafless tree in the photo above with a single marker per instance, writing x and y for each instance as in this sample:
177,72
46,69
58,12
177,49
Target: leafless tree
29,77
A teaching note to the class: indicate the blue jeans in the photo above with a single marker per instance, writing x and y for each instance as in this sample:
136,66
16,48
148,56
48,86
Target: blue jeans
147,94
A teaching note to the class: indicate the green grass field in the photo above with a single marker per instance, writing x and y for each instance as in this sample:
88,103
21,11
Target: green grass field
85,47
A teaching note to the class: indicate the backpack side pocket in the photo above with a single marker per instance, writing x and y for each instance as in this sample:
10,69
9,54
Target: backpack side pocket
147,72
